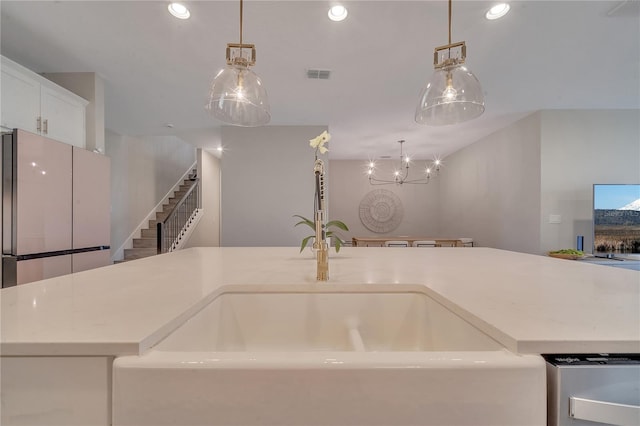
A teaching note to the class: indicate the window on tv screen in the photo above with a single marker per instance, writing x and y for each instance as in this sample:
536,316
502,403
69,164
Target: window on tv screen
616,218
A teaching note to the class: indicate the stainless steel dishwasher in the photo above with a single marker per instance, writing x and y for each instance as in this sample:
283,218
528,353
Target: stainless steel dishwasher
593,389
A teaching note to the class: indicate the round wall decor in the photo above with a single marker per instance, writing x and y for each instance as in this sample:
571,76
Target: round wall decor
381,211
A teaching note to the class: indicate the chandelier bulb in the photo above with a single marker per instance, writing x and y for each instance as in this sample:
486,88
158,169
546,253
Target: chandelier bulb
400,175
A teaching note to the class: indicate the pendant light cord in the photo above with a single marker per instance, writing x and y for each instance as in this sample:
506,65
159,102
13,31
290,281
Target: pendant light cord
241,24
449,20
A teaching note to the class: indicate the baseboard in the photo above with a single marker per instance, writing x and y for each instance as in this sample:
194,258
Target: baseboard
119,254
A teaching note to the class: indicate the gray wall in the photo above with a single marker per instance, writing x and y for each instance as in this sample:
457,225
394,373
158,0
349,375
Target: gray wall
491,189
207,232
348,185
580,148
267,176
502,190
143,170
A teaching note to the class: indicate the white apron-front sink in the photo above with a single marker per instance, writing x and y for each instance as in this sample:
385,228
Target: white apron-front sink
321,357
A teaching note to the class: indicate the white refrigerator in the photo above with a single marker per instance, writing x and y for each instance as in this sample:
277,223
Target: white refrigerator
55,208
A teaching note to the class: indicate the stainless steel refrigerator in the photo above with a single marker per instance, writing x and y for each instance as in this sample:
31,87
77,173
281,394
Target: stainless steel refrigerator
55,208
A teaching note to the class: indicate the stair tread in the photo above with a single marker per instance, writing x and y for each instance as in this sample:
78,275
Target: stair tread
140,250
146,245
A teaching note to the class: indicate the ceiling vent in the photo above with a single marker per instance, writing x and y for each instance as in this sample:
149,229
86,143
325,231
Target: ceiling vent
319,74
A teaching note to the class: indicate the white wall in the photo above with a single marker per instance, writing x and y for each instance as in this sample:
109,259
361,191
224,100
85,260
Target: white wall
143,170
267,176
207,232
580,148
490,190
348,185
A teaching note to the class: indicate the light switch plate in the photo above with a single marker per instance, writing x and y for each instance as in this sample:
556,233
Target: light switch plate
555,218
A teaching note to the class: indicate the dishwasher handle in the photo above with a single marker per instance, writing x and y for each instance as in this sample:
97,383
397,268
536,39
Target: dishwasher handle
604,412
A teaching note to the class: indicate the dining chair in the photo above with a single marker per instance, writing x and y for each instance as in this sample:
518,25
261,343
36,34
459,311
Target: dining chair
424,243
466,242
396,243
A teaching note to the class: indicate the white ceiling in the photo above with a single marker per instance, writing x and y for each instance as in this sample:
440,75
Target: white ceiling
157,69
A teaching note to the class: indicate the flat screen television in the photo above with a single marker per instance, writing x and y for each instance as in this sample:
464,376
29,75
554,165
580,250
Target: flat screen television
616,219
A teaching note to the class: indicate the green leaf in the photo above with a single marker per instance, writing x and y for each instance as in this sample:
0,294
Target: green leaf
305,241
311,224
305,221
337,224
338,243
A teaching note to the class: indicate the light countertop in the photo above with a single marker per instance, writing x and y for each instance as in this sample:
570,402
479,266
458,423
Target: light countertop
531,304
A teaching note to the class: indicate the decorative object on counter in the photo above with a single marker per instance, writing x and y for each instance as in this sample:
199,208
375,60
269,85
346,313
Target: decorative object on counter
319,211
381,211
401,177
329,232
237,95
452,94
571,254
318,143
321,228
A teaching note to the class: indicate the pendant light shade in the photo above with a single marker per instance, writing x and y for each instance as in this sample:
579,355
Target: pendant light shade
237,95
452,95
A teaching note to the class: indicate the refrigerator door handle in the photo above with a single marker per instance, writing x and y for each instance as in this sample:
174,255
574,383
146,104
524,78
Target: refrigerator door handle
604,412
9,193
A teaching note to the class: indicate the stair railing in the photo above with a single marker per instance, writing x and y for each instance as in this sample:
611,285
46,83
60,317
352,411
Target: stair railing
172,228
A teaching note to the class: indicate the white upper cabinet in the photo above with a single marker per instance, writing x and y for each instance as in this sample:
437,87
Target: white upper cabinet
20,99
63,117
31,102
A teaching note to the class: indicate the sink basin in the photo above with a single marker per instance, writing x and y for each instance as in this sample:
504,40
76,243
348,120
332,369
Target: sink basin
300,322
315,356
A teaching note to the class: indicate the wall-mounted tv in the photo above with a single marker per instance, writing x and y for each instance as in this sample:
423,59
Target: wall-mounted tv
616,219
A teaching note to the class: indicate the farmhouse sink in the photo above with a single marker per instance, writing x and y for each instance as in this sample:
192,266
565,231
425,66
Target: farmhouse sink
322,357
310,322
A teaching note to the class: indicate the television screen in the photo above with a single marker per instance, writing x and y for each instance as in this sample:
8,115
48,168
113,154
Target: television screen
616,219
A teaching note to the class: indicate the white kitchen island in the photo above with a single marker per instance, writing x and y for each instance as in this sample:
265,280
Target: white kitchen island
60,336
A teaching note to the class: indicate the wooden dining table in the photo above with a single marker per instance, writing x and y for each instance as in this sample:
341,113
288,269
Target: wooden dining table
379,241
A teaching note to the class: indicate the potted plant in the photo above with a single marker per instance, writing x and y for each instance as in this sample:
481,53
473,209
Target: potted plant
328,232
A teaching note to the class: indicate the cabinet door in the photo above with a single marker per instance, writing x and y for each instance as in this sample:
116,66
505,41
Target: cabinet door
63,117
20,100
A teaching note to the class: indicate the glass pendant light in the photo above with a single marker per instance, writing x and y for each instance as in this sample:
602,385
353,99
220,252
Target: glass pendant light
453,94
237,95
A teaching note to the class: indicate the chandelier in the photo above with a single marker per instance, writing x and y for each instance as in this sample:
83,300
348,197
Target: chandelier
401,174
237,95
453,94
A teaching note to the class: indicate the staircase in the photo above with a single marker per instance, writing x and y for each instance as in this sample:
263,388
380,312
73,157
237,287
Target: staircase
146,245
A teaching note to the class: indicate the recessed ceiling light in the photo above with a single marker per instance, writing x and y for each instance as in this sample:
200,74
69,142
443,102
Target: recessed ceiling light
179,10
497,11
337,13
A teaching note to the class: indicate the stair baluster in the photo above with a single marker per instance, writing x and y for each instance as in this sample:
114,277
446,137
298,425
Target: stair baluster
172,228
